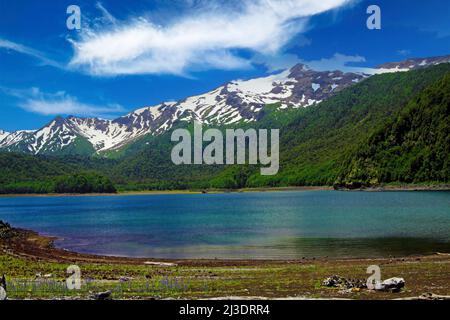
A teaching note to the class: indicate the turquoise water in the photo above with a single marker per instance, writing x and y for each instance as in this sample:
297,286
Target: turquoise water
241,225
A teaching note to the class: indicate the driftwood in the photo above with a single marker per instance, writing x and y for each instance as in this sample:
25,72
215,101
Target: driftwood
431,296
427,296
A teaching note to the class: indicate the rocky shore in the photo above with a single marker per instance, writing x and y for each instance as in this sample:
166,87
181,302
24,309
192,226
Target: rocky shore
35,269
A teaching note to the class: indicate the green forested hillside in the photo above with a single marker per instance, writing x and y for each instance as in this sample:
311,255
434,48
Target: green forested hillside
318,142
388,128
147,163
412,147
21,173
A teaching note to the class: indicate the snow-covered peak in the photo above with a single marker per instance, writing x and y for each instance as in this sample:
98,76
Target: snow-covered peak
3,135
259,86
14,137
234,102
412,64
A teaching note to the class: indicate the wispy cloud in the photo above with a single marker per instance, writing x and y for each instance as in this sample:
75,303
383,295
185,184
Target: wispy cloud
206,38
17,47
59,103
404,52
107,16
337,62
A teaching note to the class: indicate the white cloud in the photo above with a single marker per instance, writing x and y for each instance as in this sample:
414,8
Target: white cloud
106,15
17,47
59,103
341,62
404,52
277,62
281,61
337,62
204,39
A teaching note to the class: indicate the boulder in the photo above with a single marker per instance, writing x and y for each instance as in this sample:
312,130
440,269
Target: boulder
392,284
343,283
332,282
6,231
125,279
102,295
3,294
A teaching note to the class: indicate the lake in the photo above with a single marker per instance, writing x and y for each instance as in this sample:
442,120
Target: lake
257,225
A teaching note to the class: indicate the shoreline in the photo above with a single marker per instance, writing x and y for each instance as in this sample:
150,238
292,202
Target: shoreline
169,192
385,188
27,256
31,244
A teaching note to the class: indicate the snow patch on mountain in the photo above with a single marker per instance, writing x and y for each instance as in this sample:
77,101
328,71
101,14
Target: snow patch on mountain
231,103
3,135
14,137
411,64
315,86
260,86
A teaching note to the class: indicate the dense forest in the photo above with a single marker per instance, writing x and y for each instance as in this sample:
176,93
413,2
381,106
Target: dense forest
21,174
388,128
412,147
317,145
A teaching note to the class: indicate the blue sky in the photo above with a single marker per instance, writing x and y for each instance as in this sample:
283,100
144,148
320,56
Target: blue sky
130,54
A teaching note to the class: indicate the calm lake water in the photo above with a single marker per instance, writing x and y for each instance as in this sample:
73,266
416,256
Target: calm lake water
241,225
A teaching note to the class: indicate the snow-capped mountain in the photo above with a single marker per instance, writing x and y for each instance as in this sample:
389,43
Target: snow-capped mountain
411,64
234,102
72,134
3,134
242,100
7,138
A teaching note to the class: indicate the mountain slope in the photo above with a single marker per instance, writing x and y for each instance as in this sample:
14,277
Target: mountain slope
236,102
58,136
412,147
3,134
314,141
317,142
320,145
413,64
